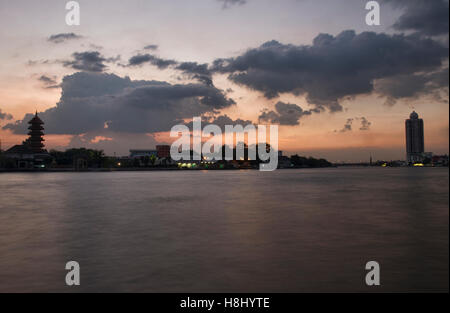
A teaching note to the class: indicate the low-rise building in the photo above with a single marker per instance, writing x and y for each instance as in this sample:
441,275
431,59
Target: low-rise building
138,153
440,160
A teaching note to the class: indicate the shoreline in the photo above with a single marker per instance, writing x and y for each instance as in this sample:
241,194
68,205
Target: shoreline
109,170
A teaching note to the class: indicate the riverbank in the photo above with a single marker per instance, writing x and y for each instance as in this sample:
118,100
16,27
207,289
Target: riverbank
155,169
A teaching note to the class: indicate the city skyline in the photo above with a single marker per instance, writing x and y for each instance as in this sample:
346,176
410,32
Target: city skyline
323,111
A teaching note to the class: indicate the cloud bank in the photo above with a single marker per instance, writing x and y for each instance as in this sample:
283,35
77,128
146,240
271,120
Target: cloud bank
334,67
430,18
98,101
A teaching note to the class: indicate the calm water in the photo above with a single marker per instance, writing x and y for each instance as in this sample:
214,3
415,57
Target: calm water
227,231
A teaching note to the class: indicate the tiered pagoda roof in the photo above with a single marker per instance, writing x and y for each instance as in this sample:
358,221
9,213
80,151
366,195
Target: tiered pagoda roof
36,139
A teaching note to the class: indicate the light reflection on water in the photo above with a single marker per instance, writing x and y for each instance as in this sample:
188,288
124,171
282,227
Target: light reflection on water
226,231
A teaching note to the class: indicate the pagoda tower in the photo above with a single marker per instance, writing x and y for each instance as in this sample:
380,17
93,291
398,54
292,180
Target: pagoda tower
35,141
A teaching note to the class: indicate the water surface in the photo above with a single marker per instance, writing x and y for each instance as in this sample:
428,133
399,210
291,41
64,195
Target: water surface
226,231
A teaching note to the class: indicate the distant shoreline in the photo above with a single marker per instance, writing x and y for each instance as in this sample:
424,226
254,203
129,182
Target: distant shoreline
109,170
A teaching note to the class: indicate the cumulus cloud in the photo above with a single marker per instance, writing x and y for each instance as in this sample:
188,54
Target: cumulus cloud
191,70
285,114
348,126
5,116
97,101
63,37
365,124
140,59
423,16
333,67
90,61
221,121
196,71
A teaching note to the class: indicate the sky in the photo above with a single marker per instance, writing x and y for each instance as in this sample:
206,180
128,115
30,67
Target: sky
337,87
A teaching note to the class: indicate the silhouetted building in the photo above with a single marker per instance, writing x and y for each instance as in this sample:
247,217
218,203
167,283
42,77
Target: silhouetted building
415,146
31,152
163,151
440,160
36,133
284,161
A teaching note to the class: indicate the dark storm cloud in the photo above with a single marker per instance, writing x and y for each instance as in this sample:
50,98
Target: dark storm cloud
5,116
89,61
161,96
59,38
423,16
192,70
333,67
413,86
285,114
89,101
196,71
228,3
141,59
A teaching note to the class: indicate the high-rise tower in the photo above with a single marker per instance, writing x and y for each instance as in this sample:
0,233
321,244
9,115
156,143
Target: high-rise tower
36,139
415,146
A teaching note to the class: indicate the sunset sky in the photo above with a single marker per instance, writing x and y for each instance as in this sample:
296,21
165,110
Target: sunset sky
338,88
